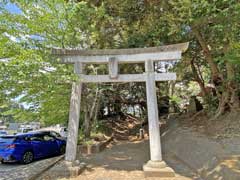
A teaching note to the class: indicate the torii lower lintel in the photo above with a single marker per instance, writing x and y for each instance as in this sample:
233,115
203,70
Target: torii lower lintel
126,78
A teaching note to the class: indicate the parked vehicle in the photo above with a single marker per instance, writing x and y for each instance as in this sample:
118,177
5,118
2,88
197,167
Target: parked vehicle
28,147
3,132
51,133
57,130
24,130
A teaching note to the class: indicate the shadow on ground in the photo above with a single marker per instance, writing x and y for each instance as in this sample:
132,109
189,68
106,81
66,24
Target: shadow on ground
130,157
127,156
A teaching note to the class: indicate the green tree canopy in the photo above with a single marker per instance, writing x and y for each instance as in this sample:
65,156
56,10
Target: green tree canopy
32,77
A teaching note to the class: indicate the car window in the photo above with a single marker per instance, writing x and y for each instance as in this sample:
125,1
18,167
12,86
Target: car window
48,138
55,134
36,137
26,138
7,139
27,130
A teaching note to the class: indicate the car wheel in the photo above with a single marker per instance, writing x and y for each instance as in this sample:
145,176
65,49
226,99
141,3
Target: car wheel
3,162
27,157
62,149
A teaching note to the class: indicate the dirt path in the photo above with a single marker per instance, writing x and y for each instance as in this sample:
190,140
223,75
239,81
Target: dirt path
124,161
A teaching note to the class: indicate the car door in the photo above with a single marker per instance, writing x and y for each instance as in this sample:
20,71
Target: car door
51,146
37,143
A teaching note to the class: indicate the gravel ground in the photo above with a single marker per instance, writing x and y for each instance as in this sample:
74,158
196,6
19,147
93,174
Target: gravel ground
123,161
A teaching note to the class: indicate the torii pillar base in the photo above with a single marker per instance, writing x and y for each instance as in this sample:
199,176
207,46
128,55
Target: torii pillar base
157,169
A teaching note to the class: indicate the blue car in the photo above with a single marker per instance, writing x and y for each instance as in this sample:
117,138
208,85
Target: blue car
2,132
28,147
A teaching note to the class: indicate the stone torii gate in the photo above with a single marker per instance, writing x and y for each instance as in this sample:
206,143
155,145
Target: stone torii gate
112,57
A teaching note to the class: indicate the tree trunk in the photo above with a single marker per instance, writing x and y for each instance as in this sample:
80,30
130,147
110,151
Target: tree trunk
230,98
94,105
232,87
89,115
171,88
97,108
198,79
222,105
208,55
87,123
217,77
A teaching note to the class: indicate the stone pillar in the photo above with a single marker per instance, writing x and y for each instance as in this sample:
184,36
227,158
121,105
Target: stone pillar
155,166
74,114
152,107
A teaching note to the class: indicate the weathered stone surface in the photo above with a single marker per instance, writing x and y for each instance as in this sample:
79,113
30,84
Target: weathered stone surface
64,169
27,172
95,148
127,78
74,114
152,108
113,68
194,105
157,169
175,47
154,165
